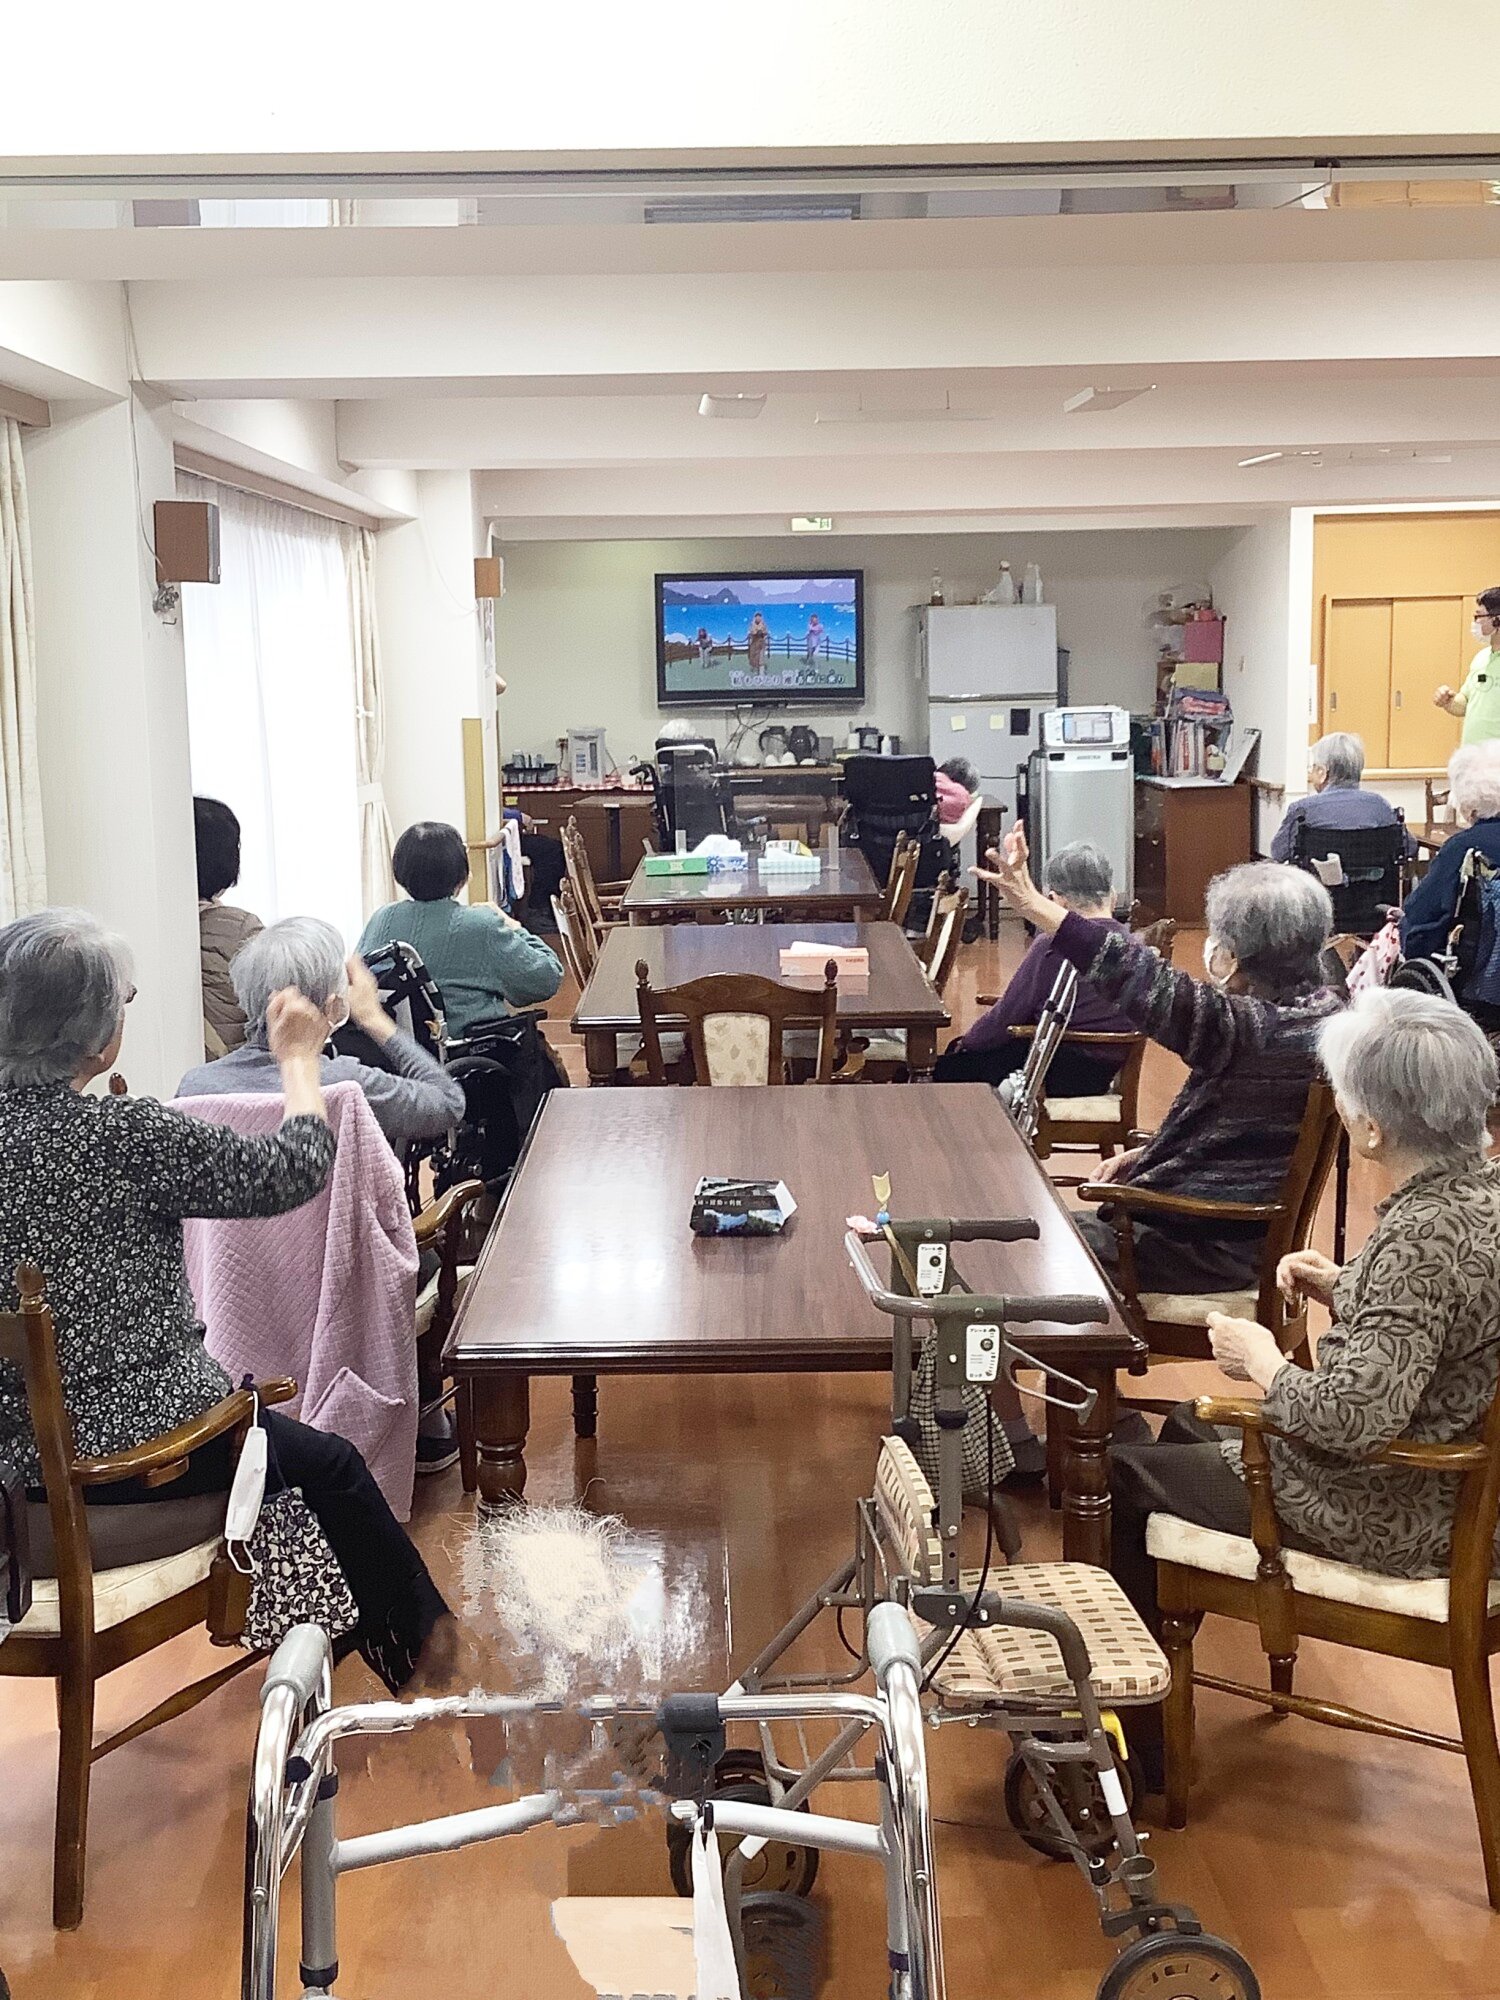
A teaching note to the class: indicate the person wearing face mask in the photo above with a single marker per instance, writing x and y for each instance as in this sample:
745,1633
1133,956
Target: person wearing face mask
1247,1034
1478,700
1414,1347
414,1098
1474,788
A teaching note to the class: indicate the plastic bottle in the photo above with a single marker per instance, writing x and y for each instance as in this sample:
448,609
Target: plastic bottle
1031,584
937,591
1005,589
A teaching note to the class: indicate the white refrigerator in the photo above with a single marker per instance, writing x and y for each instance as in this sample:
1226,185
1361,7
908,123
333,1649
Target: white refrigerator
990,671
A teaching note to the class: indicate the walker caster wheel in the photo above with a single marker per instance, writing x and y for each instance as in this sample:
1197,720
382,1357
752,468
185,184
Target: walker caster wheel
1173,1966
1079,1793
781,1867
783,1948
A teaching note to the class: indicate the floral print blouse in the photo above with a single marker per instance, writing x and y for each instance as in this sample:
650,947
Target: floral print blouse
93,1192
1414,1353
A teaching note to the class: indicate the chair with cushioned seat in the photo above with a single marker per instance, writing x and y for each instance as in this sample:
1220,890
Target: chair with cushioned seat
1450,1621
85,1621
737,1025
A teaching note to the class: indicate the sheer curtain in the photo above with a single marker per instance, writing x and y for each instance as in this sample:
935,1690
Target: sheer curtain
375,834
23,880
271,680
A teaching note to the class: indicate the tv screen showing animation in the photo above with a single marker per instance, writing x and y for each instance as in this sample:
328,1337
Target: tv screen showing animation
723,638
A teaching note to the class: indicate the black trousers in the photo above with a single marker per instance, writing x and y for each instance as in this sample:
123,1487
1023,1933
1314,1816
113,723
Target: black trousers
1074,1072
544,853
1175,1260
398,1601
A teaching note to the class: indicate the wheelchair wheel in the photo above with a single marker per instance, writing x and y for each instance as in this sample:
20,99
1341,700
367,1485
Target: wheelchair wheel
781,1867
1423,975
1171,1966
783,1948
1081,1798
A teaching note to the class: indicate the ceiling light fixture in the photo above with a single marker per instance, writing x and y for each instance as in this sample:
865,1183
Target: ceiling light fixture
739,405
938,413
1263,458
1106,398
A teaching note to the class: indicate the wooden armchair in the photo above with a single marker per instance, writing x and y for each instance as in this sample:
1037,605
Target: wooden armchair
580,952
1100,1123
1450,1621
1175,1325
736,1025
882,1058
598,903
448,1226
901,880
86,1622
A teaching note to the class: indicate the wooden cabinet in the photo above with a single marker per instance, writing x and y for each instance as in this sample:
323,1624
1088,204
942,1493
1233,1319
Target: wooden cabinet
613,824
1186,832
1382,659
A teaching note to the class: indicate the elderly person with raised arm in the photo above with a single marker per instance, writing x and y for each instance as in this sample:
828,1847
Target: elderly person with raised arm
94,1194
1338,802
1248,1035
415,1098
1078,878
1474,781
1414,1348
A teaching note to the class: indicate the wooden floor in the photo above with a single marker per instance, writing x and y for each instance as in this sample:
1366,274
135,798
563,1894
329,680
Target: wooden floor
1345,1867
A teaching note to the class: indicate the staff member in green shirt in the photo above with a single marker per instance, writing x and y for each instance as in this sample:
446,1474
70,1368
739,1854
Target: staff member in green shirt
1478,700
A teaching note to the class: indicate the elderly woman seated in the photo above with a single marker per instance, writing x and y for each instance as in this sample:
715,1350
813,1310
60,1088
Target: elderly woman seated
415,1098
1077,878
1474,779
94,1193
1248,1035
1414,1348
1337,802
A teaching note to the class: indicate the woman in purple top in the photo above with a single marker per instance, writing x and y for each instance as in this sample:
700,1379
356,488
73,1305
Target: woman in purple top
1077,878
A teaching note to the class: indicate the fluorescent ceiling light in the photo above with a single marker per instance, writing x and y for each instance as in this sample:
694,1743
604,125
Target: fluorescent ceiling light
812,524
939,413
1262,458
731,406
1106,398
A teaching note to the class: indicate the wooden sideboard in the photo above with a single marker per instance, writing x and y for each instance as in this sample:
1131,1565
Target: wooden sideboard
1186,832
613,821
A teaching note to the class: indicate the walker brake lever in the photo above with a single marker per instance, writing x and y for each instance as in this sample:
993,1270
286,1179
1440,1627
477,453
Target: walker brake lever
1017,1357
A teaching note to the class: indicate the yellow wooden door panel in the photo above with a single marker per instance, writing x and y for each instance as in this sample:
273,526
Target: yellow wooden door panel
1430,644
1357,673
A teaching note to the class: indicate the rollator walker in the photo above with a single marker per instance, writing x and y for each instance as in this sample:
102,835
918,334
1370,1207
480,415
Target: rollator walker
1044,1652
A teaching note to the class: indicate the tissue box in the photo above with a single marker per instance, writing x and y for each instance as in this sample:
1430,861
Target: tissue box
677,864
806,961
740,1208
788,861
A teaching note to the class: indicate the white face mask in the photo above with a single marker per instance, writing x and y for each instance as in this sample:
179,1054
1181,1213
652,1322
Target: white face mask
1480,628
337,1012
1212,951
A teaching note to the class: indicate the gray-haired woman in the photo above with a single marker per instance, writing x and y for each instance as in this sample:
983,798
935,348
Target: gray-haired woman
1077,878
1248,1036
415,1098
1414,1348
1429,911
94,1193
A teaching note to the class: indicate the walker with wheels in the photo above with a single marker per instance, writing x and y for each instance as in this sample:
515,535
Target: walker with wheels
1044,1652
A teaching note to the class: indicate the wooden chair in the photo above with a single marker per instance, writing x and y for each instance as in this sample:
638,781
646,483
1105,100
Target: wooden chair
87,1622
1439,800
1100,1123
1176,1324
901,880
598,903
1451,1622
454,1225
736,1024
882,1058
576,938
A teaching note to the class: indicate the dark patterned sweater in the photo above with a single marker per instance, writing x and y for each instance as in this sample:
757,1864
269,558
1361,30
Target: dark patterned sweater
1233,1126
94,1193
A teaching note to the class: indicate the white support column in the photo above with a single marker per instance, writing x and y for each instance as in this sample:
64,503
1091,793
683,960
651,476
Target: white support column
112,719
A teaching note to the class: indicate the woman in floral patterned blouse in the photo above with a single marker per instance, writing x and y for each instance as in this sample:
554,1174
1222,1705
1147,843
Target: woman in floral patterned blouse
94,1193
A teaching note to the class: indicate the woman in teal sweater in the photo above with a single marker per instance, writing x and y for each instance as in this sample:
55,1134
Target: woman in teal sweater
481,960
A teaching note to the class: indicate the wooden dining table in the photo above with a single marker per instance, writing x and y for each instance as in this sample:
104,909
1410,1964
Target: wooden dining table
592,1270
843,888
896,994
1430,835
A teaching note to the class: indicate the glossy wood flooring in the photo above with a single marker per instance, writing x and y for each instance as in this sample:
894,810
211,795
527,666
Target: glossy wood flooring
1345,1867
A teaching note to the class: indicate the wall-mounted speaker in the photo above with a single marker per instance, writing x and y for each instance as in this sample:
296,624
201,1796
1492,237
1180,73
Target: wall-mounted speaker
187,541
489,576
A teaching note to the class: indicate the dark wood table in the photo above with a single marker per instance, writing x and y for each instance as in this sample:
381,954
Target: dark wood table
842,888
897,994
591,1268
1431,834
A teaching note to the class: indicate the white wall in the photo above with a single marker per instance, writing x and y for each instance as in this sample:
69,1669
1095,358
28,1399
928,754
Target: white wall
576,636
112,736
424,600
297,431
888,74
59,338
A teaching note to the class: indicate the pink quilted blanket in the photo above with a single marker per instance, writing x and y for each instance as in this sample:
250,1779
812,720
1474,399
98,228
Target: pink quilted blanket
325,1294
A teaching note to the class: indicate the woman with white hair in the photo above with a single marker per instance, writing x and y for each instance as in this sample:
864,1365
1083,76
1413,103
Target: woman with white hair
414,1099
1337,802
1474,778
1248,1036
94,1194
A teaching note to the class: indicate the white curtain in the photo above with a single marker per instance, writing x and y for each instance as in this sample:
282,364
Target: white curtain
23,875
271,704
378,884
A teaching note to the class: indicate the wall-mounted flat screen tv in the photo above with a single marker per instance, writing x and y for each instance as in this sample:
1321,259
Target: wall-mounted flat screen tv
727,637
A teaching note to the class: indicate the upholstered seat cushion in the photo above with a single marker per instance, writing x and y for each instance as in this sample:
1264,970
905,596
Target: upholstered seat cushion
1006,1663
1193,1308
121,1537
122,1593
1173,1540
1105,1109
427,1298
